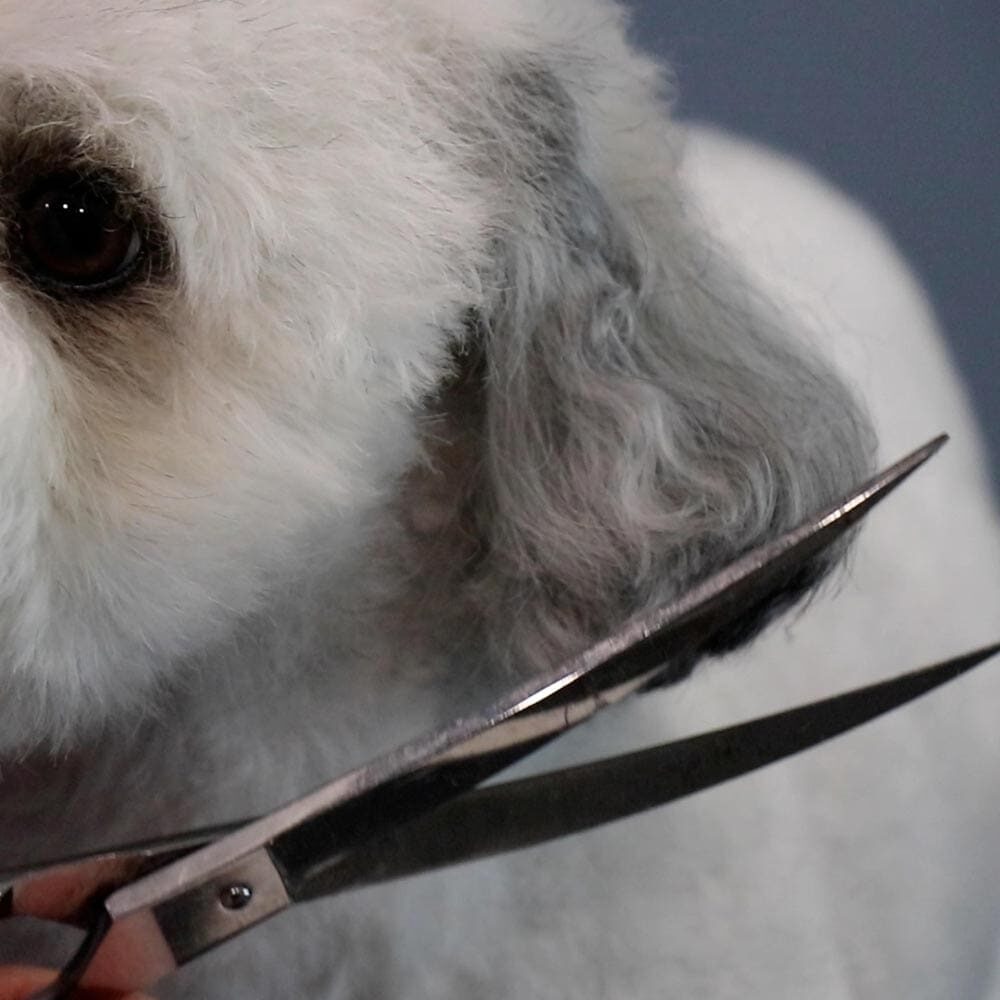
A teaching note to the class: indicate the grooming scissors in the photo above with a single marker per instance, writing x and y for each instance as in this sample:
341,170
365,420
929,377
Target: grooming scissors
150,908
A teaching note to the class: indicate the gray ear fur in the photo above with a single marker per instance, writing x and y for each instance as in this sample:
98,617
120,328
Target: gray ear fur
633,418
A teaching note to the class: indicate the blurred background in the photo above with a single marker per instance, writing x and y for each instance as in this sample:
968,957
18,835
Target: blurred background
897,102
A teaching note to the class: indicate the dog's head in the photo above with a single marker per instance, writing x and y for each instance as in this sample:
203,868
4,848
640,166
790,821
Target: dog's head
271,272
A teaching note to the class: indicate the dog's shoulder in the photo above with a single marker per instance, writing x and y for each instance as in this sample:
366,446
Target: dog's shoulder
923,584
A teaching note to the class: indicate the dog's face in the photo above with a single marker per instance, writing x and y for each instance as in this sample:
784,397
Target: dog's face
251,254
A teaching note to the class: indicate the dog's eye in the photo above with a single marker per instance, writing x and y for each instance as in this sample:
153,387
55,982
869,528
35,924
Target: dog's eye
75,234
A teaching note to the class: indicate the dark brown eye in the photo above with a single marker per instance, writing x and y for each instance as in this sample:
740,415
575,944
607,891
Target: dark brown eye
77,235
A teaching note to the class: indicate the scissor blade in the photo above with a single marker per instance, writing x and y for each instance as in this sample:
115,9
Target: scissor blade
519,814
168,917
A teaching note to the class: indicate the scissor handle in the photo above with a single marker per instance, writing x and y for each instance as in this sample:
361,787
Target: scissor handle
63,891
66,982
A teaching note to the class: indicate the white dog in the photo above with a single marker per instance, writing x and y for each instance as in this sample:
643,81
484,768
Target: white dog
356,356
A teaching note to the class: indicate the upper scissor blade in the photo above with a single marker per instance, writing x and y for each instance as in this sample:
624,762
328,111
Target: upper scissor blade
174,914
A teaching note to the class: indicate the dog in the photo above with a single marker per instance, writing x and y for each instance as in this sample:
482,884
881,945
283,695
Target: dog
359,359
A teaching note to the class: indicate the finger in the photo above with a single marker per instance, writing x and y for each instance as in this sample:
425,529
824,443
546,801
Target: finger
19,982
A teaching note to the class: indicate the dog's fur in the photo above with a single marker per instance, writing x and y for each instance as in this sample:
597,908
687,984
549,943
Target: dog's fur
429,375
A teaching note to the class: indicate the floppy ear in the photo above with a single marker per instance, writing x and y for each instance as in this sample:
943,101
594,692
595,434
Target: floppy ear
631,417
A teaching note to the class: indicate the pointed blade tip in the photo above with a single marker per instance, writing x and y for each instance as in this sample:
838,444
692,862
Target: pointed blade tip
889,479
987,653
929,450
916,459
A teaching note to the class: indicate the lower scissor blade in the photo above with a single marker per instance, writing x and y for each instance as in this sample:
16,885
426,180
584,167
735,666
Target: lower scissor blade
521,814
517,815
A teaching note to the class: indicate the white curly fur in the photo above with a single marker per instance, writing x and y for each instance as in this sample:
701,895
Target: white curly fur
432,374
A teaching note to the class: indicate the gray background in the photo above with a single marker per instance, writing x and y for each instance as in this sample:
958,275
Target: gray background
898,102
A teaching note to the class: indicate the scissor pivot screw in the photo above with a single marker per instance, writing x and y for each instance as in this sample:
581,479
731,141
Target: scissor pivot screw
236,897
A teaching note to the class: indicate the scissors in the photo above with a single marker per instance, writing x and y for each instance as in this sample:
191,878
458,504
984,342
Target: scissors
150,908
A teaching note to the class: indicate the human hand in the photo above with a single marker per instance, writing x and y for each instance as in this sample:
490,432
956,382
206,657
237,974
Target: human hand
19,982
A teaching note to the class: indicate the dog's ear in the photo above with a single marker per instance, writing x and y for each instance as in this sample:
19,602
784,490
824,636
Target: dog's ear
629,416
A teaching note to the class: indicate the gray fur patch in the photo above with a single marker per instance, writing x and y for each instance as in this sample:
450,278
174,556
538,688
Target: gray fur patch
638,420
